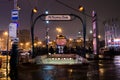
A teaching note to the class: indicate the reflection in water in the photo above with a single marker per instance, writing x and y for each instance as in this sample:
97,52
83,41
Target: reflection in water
60,72
117,60
96,70
48,73
93,71
101,71
109,69
117,66
68,72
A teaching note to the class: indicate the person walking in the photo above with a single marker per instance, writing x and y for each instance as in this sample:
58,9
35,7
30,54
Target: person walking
51,50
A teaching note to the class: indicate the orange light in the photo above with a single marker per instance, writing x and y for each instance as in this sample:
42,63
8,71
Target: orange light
81,8
35,10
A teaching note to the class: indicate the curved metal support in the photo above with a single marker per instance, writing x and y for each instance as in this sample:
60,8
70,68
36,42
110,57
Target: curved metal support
84,30
41,15
32,33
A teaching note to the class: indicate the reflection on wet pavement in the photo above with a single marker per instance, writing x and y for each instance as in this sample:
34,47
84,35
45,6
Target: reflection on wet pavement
110,69
3,71
96,70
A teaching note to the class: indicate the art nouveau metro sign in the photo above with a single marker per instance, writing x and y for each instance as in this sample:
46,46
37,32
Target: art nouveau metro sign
57,17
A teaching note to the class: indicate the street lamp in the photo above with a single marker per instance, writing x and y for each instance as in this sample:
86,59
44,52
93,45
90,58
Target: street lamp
91,31
34,10
90,35
47,33
99,36
21,45
39,43
81,9
59,30
27,45
5,33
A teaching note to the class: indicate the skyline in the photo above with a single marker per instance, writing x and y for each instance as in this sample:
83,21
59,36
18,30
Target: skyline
105,11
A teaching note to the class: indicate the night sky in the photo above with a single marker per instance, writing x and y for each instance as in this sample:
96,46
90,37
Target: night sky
106,10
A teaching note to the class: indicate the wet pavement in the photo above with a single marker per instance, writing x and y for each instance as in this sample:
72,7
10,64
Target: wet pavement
96,70
3,69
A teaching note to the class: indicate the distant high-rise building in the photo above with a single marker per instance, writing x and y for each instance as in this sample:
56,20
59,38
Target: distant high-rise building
24,36
112,32
3,40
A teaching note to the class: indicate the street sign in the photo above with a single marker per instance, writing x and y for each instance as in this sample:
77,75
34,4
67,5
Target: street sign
14,15
58,17
13,30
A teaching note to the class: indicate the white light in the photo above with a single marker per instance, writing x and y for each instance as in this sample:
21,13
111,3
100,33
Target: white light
52,58
47,22
79,32
116,40
46,12
91,32
58,58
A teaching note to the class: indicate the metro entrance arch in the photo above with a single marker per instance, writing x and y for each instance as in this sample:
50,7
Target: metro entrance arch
57,17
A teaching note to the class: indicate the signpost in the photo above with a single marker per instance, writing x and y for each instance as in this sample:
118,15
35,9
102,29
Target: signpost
13,30
14,15
14,51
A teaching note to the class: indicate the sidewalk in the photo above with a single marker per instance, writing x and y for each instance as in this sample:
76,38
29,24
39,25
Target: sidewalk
3,68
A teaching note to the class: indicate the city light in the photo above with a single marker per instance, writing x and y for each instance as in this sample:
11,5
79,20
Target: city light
59,30
5,33
99,36
35,10
70,39
91,31
46,12
39,42
81,8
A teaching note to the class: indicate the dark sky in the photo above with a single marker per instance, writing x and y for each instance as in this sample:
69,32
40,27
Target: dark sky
106,9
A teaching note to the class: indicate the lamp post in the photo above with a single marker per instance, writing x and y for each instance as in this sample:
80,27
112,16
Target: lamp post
32,29
14,51
81,9
90,35
47,33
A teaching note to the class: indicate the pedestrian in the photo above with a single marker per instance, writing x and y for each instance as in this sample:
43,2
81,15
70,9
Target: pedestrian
90,50
51,50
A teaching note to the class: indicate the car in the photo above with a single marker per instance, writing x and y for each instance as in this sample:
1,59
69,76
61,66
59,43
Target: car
5,52
103,50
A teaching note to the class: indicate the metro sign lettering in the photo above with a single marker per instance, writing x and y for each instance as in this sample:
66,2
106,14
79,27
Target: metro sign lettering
58,17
